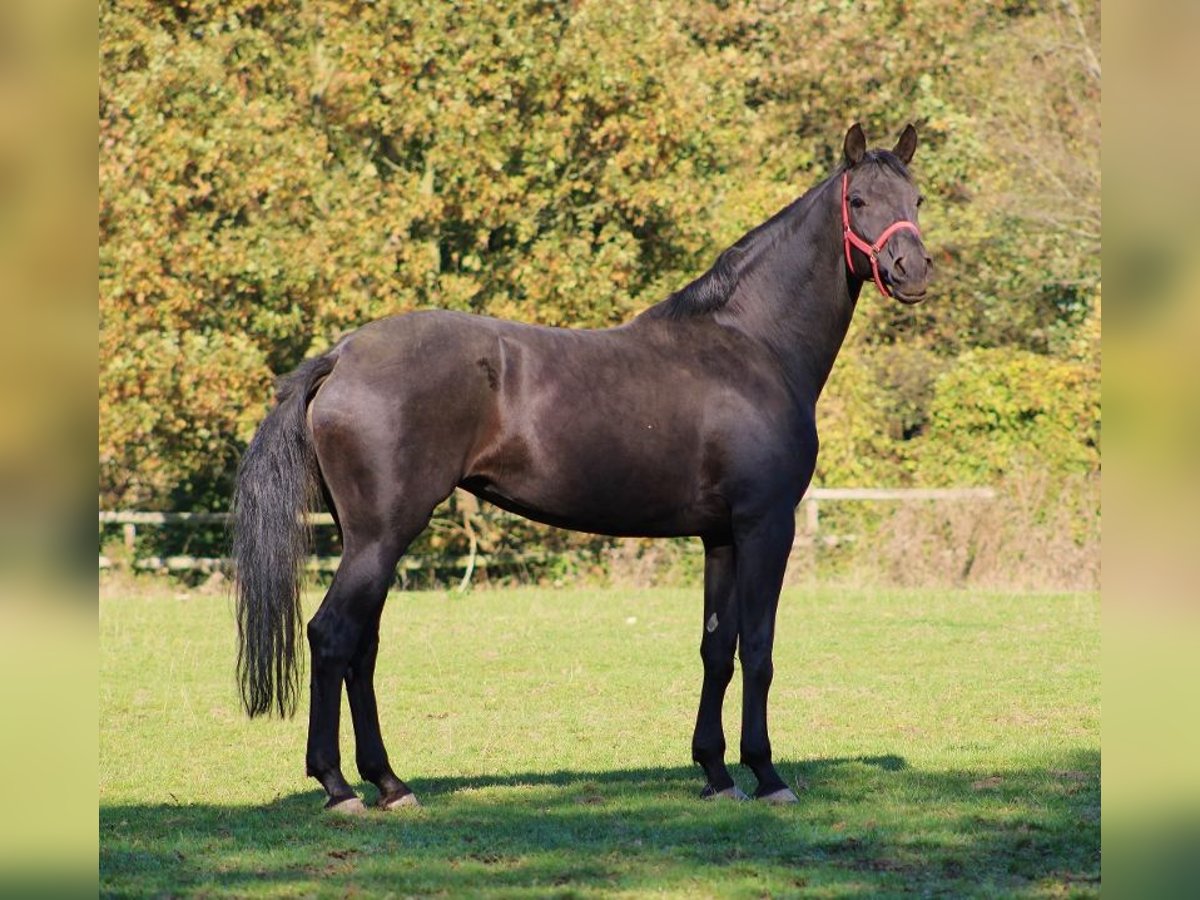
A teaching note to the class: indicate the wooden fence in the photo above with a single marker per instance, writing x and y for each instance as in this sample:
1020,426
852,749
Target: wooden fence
807,532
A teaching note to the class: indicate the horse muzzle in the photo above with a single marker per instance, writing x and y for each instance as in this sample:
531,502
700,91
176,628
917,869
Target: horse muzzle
907,276
908,296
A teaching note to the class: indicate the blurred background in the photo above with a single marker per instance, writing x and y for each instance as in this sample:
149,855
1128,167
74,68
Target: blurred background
48,657
1152,402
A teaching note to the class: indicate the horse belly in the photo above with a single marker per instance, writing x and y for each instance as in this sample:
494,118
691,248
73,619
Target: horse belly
603,478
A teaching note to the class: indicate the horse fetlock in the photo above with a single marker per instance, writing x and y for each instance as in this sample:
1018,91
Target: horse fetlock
757,758
712,763
379,775
769,781
327,771
384,779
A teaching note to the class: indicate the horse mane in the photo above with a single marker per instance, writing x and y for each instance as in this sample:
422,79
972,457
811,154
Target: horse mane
706,294
713,290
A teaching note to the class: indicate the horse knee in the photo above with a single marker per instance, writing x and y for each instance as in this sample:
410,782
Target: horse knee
758,669
717,661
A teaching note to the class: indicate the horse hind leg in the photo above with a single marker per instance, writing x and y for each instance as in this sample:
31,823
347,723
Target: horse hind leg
344,642
383,490
347,615
378,517
370,753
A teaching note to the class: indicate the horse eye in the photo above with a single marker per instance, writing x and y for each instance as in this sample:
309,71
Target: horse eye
858,202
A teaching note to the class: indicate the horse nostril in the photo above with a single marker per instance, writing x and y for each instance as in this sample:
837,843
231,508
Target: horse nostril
900,265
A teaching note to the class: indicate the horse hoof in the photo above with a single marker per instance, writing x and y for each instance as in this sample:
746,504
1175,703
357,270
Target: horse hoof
348,806
730,793
781,796
395,802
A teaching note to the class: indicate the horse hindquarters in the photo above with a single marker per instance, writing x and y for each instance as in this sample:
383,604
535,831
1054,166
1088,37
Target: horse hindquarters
384,471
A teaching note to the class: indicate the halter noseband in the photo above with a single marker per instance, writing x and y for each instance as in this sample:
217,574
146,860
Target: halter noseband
871,250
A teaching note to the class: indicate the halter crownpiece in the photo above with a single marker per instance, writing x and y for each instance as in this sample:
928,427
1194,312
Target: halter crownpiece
871,250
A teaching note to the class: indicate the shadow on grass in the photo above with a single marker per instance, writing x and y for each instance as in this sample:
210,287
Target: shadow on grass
867,825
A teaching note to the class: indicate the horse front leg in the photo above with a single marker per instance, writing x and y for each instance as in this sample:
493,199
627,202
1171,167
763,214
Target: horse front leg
717,645
762,548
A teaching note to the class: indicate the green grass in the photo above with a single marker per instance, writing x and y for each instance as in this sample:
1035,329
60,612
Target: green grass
940,743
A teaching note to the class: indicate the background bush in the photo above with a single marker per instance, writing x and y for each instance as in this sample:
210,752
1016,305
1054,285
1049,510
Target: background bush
273,174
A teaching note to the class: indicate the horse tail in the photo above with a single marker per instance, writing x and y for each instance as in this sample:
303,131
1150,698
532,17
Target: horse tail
276,484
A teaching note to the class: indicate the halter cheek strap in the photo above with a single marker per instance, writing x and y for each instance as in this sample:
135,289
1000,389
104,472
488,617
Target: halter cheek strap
849,238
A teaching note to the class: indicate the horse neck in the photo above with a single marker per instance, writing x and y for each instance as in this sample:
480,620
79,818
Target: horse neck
796,297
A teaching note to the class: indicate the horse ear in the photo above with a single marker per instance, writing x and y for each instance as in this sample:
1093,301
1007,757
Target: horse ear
907,145
855,145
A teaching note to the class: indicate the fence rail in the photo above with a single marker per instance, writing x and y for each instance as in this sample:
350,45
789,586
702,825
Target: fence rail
132,517
806,536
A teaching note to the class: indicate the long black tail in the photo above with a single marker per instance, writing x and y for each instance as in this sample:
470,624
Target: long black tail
276,483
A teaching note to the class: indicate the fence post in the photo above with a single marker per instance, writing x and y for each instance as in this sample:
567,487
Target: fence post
808,536
129,533
812,517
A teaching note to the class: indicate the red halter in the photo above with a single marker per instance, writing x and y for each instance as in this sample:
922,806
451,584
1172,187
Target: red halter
872,250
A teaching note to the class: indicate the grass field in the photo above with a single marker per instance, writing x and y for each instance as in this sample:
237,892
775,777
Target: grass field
940,743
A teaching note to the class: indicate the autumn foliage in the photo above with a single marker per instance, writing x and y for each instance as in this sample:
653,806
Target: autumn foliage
275,173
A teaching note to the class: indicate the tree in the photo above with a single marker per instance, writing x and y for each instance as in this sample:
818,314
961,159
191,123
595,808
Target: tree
275,173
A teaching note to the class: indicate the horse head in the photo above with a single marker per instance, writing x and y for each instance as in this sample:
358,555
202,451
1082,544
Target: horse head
879,216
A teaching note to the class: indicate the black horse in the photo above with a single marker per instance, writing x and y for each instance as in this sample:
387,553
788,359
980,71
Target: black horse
696,418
